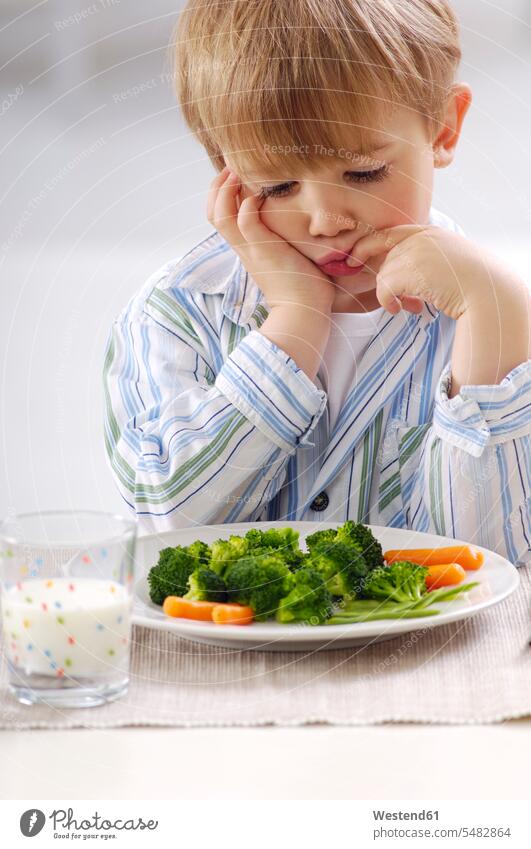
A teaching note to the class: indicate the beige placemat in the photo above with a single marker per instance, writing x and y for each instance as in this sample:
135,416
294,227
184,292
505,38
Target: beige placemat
475,671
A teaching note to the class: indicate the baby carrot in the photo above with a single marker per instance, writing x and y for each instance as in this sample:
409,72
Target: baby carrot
444,575
184,608
466,555
232,614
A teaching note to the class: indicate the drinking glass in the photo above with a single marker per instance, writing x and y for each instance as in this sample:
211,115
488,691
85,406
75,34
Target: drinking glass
66,593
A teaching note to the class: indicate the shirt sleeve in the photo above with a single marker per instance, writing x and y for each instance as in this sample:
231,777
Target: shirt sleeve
186,446
471,477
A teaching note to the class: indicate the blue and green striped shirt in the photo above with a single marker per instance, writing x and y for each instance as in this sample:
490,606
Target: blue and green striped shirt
207,421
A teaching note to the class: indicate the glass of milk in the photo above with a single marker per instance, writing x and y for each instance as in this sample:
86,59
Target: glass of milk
66,595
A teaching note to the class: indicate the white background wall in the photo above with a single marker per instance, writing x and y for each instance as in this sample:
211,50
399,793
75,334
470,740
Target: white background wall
100,185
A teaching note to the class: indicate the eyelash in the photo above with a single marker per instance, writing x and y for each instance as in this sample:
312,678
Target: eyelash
356,176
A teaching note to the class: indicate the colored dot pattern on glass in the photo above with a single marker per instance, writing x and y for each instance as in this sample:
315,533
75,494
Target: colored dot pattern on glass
81,629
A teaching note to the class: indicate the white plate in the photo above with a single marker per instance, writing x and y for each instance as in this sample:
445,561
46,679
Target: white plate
497,578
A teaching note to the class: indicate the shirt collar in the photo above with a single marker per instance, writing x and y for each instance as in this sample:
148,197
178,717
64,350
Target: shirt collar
219,269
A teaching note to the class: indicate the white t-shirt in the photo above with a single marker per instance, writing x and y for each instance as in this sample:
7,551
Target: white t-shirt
350,333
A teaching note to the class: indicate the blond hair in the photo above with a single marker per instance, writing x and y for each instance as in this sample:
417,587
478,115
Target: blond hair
257,76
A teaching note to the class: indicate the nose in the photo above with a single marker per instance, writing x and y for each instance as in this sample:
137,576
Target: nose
329,211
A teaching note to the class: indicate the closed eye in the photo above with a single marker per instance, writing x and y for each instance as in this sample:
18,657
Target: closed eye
283,189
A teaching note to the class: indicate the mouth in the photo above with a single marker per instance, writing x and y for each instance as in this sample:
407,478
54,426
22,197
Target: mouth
335,264
339,268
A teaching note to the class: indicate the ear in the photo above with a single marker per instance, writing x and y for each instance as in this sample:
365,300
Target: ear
445,143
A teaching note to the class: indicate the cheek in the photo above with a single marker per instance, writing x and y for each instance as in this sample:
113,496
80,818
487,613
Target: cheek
282,223
420,181
279,222
408,199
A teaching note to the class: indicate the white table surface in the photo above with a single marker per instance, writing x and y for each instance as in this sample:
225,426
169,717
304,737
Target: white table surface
395,761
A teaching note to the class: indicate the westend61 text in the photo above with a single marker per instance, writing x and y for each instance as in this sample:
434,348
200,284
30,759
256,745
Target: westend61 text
405,815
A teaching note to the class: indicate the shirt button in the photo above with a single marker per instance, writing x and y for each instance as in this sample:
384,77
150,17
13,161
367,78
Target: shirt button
320,502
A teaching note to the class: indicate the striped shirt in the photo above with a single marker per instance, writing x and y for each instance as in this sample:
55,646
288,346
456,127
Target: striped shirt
207,421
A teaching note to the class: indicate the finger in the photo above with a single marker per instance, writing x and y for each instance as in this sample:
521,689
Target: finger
251,225
393,297
226,212
212,194
390,291
406,285
382,241
412,304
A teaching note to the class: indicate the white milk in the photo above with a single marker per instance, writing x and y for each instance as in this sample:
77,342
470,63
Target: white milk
67,626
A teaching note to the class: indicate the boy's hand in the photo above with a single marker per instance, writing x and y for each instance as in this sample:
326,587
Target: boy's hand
428,263
284,275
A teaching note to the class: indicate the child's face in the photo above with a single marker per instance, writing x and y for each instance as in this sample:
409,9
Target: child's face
335,208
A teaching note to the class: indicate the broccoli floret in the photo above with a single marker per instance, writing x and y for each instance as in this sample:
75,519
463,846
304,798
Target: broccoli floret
226,552
296,560
201,551
319,537
308,601
206,585
284,540
259,582
293,559
343,568
263,551
170,575
401,581
363,539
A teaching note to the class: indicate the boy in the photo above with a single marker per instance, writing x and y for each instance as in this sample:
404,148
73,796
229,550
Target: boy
230,395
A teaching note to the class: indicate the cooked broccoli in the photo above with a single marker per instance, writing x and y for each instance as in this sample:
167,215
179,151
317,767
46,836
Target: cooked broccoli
259,582
206,585
401,581
345,556
225,552
285,540
293,559
282,542
351,533
296,560
319,537
308,601
363,539
343,568
201,551
170,575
